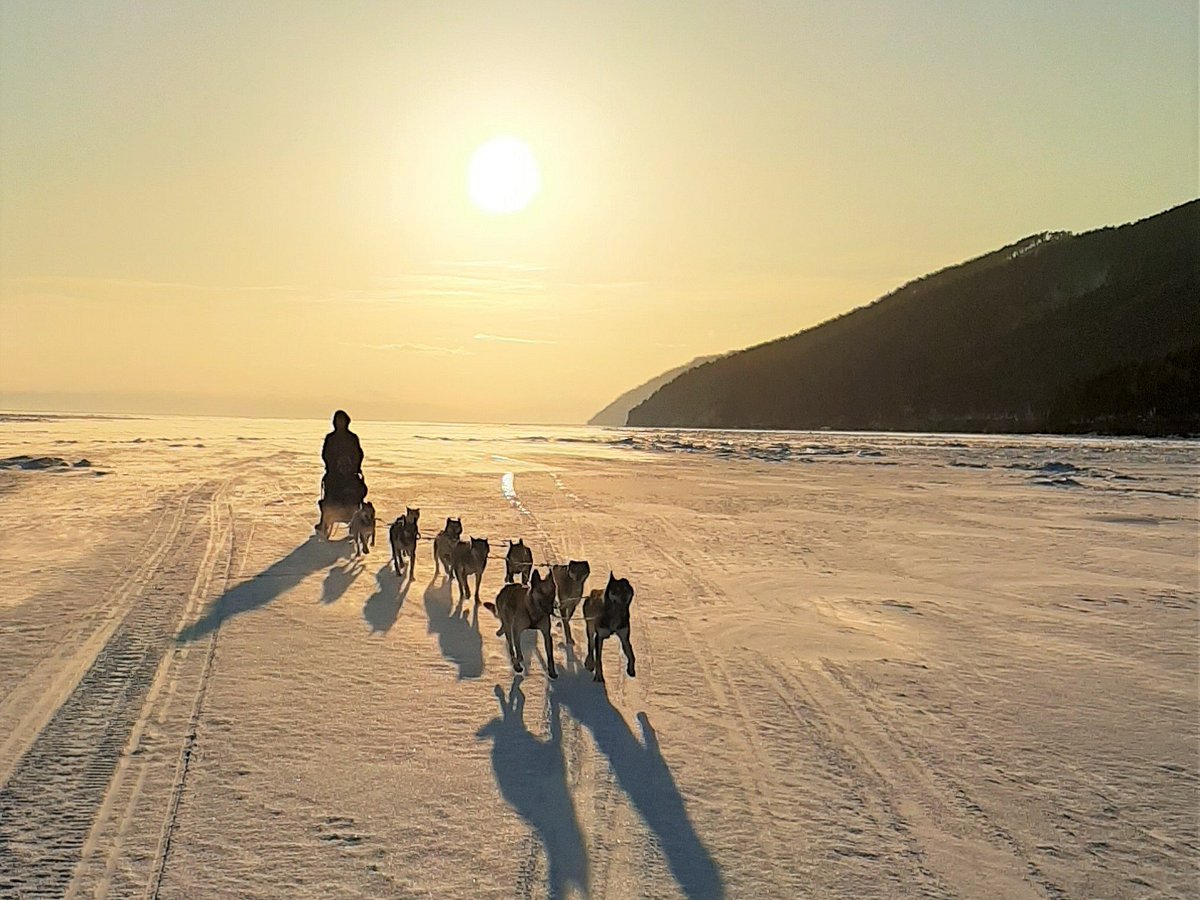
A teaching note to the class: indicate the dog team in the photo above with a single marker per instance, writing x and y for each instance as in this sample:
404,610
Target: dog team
528,601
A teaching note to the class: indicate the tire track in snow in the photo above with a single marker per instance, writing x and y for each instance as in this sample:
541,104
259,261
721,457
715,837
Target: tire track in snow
163,853
45,689
50,801
120,850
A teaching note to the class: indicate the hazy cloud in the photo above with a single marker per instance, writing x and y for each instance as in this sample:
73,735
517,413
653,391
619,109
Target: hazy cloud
511,340
421,348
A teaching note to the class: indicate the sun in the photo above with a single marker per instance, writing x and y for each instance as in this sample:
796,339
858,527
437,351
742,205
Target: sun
503,176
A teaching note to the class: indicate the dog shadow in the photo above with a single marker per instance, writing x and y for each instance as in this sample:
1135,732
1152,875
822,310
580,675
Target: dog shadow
532,778
278,578
341,575
643,774
383,607
457,630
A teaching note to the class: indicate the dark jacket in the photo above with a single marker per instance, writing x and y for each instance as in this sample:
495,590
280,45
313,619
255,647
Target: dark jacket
343,458
342,455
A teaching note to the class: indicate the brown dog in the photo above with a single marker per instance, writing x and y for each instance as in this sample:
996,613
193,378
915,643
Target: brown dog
444,544
520,608
403,537
518,562
469,559
606,612
362,528
569,580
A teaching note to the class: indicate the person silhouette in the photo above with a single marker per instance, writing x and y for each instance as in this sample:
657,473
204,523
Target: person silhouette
343,457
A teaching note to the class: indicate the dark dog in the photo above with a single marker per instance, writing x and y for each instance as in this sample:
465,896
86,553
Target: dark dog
606,612
444,544
403,536
569,581
518,562
362,528
520,608
469,559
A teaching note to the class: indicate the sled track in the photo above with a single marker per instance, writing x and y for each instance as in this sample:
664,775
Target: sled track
52,798
593,788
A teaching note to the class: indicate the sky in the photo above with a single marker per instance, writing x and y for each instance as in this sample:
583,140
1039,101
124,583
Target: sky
262,209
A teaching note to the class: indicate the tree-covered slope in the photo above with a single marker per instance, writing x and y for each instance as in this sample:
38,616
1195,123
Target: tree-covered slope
615,414
1058,332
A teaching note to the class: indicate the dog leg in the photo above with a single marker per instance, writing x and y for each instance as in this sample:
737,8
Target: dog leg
478,578
623,634
550,669
598,672
589,662
566,620
514,652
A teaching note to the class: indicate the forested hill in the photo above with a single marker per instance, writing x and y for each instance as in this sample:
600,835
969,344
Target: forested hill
1096,332
617,412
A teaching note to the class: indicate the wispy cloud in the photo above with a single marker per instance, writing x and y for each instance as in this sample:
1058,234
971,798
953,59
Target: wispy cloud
77,286
472,290
418,348
505,339
494,264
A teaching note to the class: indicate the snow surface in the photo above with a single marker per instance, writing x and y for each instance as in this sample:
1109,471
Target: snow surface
868,666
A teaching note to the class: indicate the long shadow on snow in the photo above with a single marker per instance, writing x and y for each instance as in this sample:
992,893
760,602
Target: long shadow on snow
264,587
383,607
341,575
457,630
532,777
645,777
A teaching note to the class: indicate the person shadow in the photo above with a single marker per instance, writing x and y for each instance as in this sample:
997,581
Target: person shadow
532,778
456,628
383,607
256,592
644,776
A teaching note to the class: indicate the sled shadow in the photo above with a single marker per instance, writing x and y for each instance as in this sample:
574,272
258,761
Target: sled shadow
457,630
532,778
645,777
258,591
383,607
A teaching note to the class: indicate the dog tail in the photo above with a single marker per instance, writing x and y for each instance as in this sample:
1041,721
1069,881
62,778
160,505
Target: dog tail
491,607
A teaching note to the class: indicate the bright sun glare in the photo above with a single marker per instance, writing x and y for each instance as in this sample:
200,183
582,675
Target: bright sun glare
503,176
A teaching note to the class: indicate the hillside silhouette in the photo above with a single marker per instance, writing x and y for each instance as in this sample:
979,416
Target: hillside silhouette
616,413
1096,332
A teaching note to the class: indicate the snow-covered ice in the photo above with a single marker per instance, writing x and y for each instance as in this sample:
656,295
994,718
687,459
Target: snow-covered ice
868,665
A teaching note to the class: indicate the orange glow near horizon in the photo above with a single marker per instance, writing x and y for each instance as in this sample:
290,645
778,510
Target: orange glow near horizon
216,211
